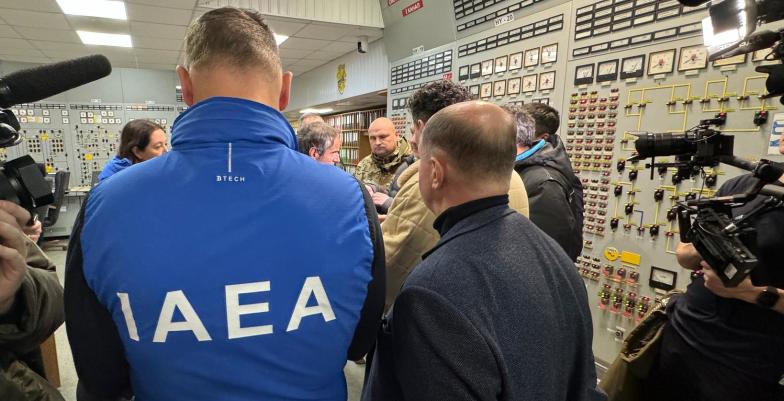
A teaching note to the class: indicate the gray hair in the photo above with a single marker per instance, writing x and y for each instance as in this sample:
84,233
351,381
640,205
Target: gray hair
316,135
526,126
309,116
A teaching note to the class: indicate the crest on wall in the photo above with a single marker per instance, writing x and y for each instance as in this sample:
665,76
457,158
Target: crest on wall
341,76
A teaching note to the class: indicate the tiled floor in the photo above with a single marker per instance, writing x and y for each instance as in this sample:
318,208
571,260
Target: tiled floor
354,373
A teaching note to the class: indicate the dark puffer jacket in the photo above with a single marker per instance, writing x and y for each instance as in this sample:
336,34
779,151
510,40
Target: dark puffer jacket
555,196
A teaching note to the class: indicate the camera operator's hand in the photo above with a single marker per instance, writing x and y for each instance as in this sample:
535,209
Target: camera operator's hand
744,290
13,252
687,256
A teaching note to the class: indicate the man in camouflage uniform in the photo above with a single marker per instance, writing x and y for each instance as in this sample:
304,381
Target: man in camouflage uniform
388,151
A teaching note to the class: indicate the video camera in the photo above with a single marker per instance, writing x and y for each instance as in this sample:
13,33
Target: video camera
730,31
709,223
21,180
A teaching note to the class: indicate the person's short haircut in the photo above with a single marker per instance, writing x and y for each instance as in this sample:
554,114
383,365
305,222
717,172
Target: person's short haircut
232,37
308,118
479,149
547,119
434,96
526,130
136,135
316,135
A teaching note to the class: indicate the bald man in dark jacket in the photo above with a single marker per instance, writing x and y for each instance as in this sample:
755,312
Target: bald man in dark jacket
496,310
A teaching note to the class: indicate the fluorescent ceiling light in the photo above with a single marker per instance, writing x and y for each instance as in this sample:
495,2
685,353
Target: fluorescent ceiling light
315,111
105,39
94,8
280,38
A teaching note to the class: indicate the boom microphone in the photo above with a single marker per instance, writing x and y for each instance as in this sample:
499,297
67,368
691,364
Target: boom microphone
756,41
34,84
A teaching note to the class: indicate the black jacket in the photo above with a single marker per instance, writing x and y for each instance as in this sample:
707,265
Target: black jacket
555,196
487,316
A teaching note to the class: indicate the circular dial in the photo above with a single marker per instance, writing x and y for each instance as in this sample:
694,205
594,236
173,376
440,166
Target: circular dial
549,53
547,81
514,86
487,67
515,61
529,83
532,57
661,63
693,58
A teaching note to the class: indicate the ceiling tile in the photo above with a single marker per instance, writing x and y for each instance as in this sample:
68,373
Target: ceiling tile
324,32
34,19
294,53
33,5
143,42
47,45
157,56
94,24
340,47
186,4
53,35
310,63
7,32
288,28
167,67
21,52
10,43
25,59
158,30
323,55
304,44
161,15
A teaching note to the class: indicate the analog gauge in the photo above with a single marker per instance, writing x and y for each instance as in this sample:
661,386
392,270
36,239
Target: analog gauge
463,75
500,64
532,57
661,62
547,80
761,55
487,67
693,58
550,53
499,88
474,90
632,67
607,71
662,279
529,83
486,90
739,59
583,75
513,86
476,70
515,61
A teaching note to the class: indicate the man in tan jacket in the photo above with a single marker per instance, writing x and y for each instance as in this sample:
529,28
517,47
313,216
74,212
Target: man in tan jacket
408,229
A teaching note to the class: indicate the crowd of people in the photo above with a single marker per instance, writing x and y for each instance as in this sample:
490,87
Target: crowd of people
243,265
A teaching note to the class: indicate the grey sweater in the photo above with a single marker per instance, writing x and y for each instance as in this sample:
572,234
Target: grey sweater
496,311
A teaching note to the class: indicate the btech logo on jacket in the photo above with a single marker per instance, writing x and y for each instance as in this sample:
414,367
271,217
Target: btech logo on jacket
233,267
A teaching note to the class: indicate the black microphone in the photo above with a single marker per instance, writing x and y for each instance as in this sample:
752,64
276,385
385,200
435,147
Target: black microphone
692,3
34,84
756,41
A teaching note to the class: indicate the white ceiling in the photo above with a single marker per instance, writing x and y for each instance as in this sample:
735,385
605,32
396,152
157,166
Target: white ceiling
37,31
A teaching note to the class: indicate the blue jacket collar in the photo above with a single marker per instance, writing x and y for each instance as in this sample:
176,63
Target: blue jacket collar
531,151
220,120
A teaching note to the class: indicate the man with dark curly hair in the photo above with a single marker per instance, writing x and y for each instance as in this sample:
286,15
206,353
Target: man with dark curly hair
408,229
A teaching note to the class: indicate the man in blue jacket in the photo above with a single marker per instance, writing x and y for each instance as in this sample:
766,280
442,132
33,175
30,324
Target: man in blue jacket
210,273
